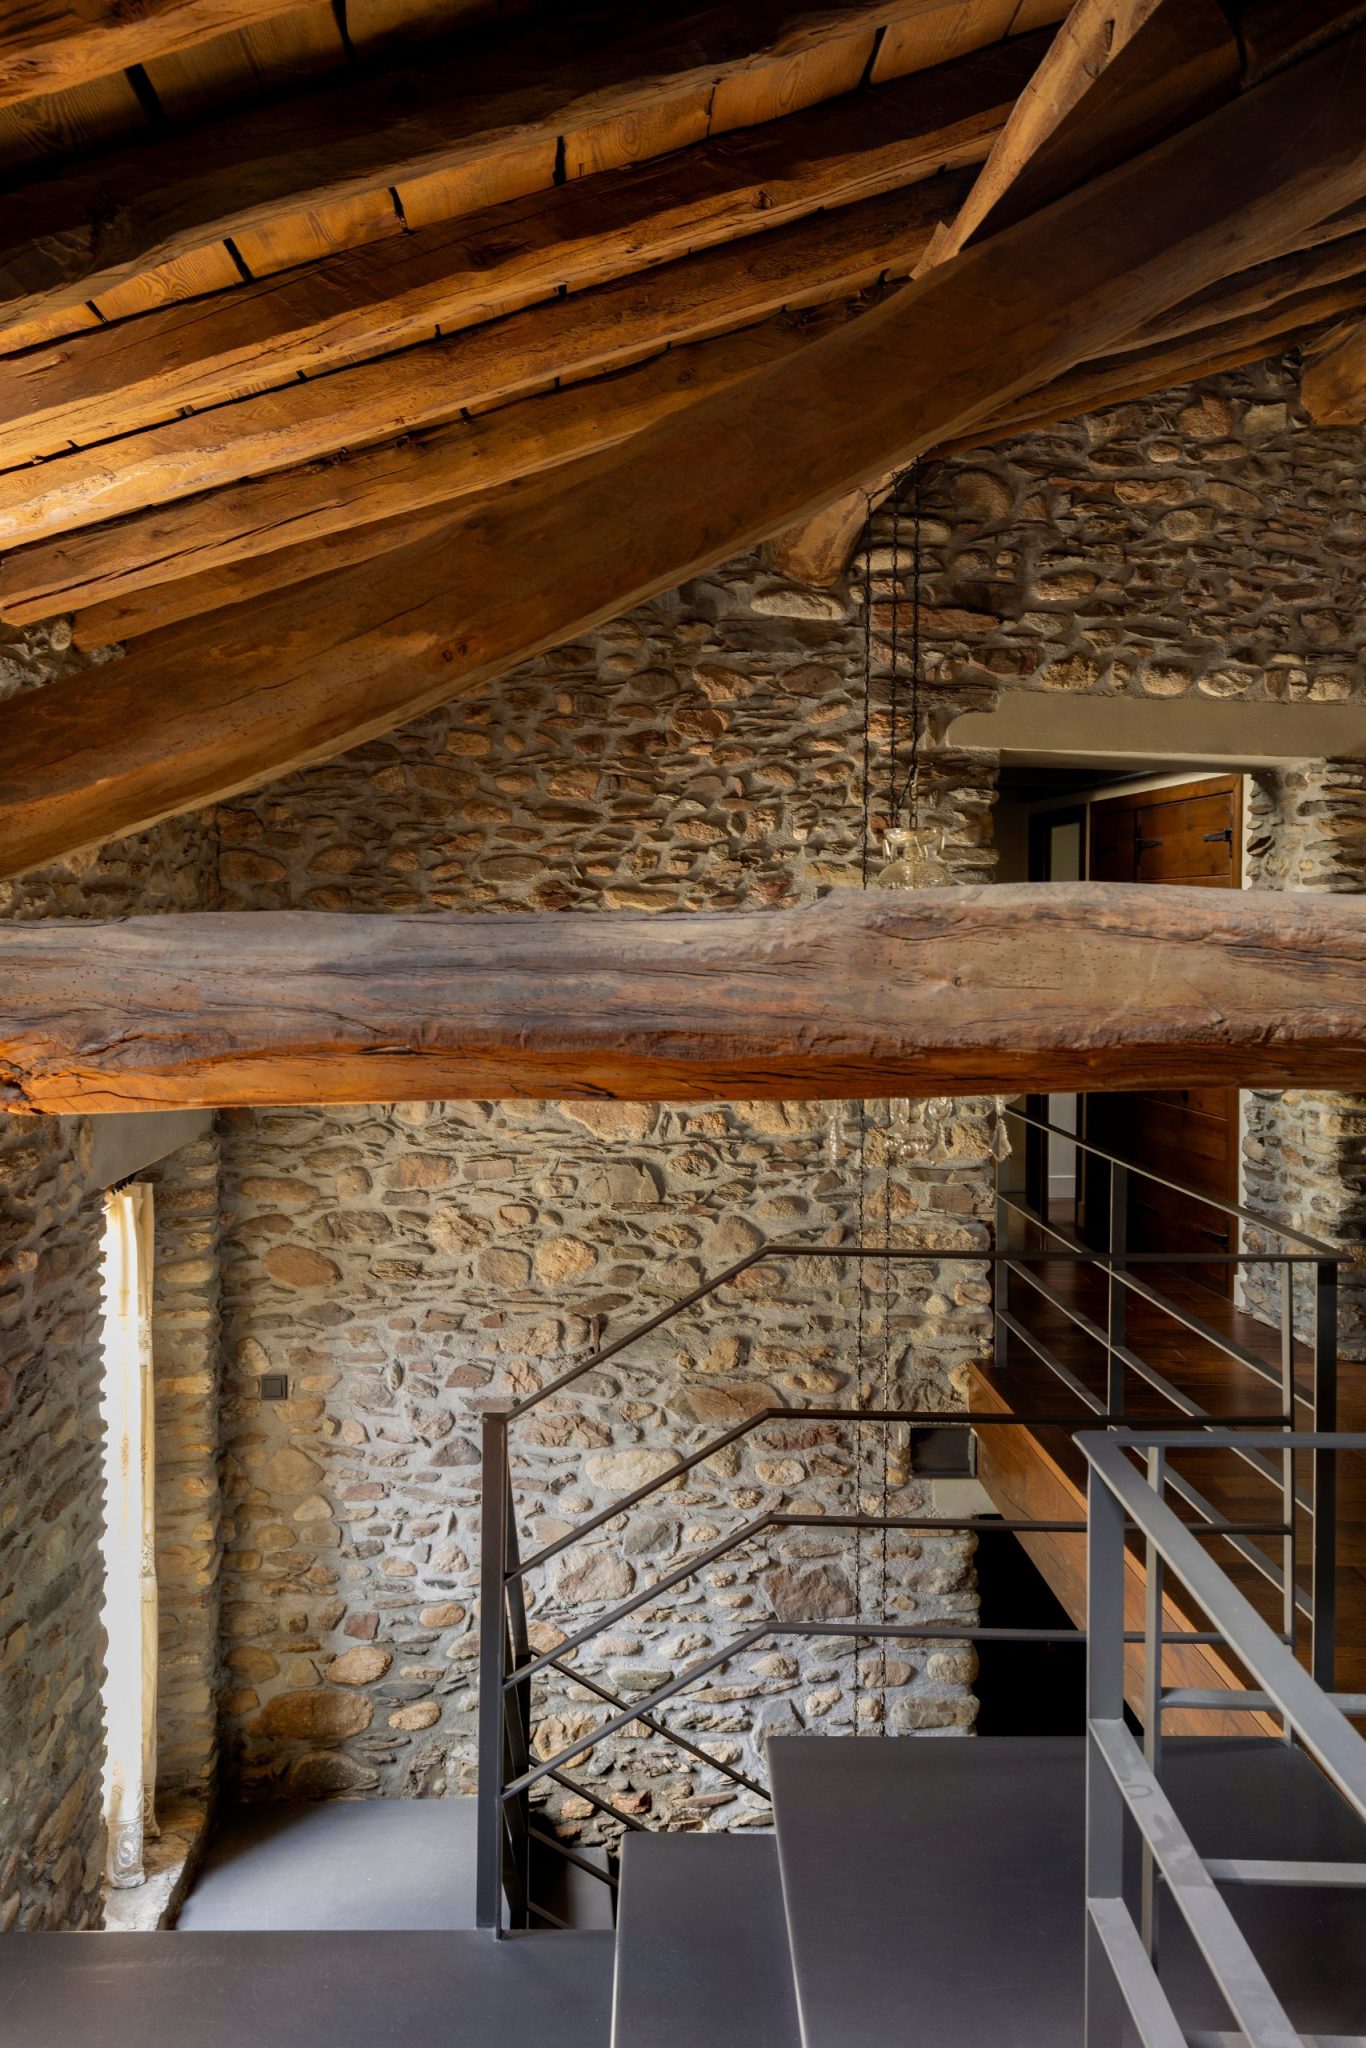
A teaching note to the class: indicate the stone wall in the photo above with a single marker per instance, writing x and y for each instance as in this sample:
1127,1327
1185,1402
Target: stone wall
1304,1152
51,1640
406,1267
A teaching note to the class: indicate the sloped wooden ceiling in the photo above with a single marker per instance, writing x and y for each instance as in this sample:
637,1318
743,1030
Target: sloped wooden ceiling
550,306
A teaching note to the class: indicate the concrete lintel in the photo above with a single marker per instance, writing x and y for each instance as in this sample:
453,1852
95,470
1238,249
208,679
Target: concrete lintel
1036,726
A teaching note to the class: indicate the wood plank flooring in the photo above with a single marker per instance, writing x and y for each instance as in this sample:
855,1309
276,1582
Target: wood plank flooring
1041,1472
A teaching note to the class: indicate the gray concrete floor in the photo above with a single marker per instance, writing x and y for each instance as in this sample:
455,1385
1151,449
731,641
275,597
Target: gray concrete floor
405,1864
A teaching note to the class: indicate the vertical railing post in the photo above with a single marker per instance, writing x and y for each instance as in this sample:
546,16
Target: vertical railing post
1116,1245
1036,1155
1001,1277
493,1523
1152,1693
1104,1702
1323,1661
1289,1542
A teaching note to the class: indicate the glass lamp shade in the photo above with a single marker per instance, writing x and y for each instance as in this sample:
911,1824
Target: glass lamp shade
914,858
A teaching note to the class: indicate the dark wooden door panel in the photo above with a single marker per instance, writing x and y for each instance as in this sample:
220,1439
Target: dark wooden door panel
1188,836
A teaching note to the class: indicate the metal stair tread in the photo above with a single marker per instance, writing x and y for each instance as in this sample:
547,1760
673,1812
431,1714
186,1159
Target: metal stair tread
702,1950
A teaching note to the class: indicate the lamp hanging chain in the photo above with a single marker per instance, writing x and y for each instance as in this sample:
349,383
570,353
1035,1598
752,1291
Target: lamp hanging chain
908,796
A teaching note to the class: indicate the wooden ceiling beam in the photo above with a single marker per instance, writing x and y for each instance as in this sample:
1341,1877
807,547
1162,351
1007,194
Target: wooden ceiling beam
1119,76
1238,320
921,992
402,289
199,712
1138,373
50,45
833,255
190,558
79,231
1333,383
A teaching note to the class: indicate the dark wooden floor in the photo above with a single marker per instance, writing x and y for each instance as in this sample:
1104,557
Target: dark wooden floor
1041,1471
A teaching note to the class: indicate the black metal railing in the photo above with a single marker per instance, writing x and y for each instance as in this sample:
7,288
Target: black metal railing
509,1768
1310,1596
1124,1780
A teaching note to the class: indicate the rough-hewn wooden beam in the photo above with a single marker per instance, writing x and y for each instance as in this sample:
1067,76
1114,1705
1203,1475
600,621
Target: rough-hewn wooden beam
401,289
833,255
200,710
80,231
1137,373
817,552
1333,385
1119,76
212,535
934,992
50,45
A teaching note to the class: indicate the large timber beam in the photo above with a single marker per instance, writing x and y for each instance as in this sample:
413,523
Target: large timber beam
1333,386
934,992
78,232
1118,76
203,710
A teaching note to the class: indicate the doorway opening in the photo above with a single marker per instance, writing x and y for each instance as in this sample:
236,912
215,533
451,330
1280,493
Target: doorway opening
130,1584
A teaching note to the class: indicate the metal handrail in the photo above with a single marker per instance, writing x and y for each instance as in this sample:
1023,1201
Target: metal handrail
1314,1247
1124,1781
508,1666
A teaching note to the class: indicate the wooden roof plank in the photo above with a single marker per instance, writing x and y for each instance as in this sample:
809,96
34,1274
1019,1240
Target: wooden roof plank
49,45
832,255
456,273
1065,985
221,530
82,230
199,712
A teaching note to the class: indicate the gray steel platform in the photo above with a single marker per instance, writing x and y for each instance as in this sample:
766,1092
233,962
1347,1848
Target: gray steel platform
702,1954
933,1888
305,1990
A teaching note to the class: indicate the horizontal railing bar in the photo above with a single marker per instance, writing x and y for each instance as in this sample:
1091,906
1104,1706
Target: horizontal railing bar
1047,1358
1118,1270
1227,1700
1236,1539
647,1720
603,1806
781,1248
915,1418
1219,1938
1250,1870
1326,1734
571,1856
1137,1979
1135,1436
1315,1245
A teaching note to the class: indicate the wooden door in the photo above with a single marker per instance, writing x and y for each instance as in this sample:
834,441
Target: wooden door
1188,835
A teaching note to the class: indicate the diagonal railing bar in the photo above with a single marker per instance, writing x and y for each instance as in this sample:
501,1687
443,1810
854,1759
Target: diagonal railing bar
603,1806
535,1834
647,1720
